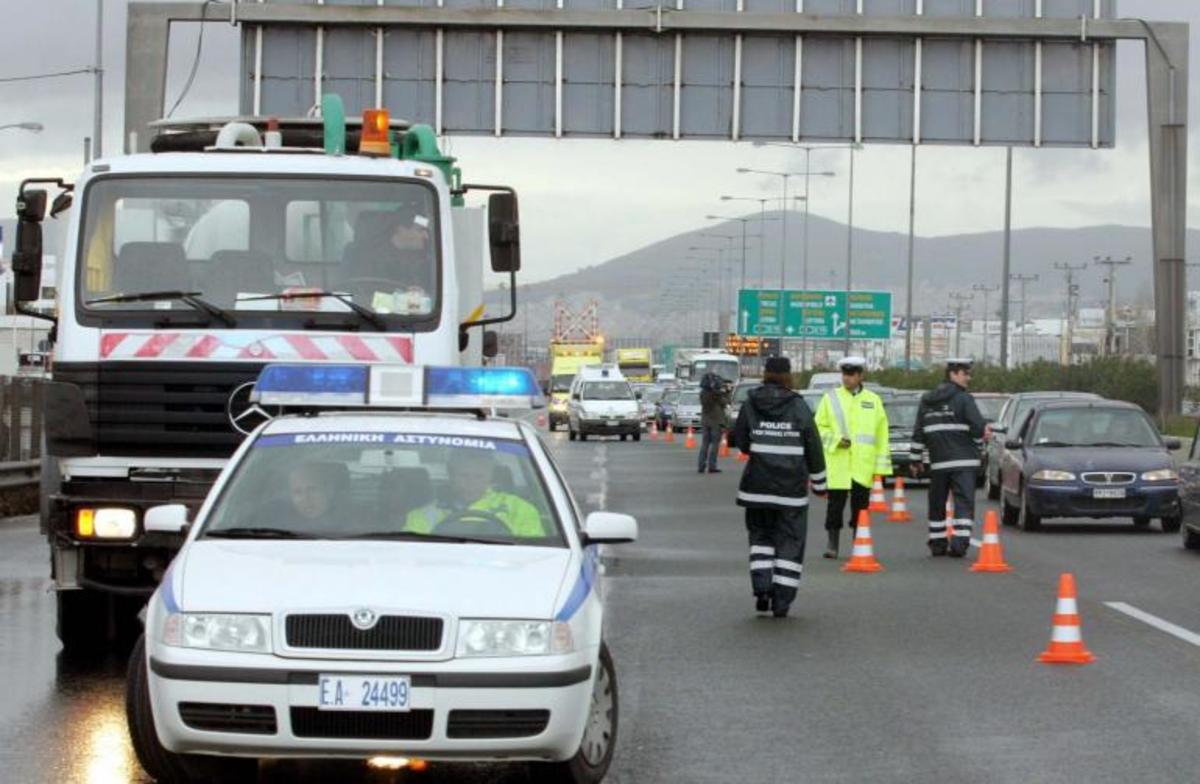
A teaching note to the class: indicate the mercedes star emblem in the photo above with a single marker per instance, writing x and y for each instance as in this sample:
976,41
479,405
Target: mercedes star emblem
363,618
244,414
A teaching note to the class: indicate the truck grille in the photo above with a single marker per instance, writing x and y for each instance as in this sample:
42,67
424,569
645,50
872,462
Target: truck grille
1109,478
390,633
217,717
146,409
314,723
496,723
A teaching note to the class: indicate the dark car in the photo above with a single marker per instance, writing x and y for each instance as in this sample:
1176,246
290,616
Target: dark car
1012,417
740,393
902,420
664,407
1097,459
1189,495
990,405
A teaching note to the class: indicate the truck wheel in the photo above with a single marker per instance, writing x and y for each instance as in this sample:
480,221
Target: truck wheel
591,761
582,436
637,436
624,436
1027,520
1171,525
166,766
81,620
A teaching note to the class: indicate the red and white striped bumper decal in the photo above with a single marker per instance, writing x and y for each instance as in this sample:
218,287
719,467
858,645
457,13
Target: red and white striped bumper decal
307,347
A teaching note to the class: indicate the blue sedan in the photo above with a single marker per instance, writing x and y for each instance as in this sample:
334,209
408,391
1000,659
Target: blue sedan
1096,459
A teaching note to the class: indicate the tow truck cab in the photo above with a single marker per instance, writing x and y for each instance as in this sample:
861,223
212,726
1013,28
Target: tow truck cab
190,268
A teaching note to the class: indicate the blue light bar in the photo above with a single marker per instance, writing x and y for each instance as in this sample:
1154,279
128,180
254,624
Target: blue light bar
482,387
318,385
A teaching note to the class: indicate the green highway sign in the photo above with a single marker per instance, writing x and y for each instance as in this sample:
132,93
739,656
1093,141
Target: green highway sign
820,315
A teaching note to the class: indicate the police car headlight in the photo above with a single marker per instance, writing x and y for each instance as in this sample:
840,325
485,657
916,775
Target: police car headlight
242,633
1050,475
1161,475
480,638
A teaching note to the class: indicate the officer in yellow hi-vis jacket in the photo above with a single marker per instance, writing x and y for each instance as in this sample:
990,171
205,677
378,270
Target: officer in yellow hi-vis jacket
854,433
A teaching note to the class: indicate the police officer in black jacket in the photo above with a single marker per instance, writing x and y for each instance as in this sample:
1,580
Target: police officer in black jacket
775,428
948,426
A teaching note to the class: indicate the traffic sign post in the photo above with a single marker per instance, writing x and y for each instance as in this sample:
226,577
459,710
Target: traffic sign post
816,314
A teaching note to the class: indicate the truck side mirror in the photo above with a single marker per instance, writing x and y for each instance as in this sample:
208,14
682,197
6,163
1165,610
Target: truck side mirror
27,256
491,343
504,232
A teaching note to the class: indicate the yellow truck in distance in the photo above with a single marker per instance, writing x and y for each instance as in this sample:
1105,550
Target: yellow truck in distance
565,361
635,364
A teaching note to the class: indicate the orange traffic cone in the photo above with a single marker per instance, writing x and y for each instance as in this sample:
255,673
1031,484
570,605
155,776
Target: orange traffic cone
724,450
1066,641
670,439
949,509
862,558
878,499
654,430
991,555
690,441
900,513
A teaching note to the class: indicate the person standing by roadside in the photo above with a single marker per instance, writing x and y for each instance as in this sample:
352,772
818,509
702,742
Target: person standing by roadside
854,433
948,426
714,397
775,428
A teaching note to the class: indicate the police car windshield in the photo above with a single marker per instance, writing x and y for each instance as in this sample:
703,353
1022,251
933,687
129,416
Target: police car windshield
356,485
607,390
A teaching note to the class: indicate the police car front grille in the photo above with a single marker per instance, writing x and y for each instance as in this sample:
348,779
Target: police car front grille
390,633
370,725
496,723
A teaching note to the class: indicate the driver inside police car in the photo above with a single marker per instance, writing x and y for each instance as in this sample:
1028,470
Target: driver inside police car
476,500
312,493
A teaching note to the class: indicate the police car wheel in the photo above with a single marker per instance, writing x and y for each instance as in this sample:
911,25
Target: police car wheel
164,766
1171,525
591,761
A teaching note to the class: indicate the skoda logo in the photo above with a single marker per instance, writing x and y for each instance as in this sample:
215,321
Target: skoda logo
244,414
363,618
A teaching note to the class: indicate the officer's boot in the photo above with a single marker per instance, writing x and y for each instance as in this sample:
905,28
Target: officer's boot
831,549
959,545
937,547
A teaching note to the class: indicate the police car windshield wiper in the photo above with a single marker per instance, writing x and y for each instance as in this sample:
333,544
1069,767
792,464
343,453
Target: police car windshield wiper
366,314
251,532
415,537
190,298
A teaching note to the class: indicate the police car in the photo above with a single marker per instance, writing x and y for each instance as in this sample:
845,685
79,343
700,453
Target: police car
384,571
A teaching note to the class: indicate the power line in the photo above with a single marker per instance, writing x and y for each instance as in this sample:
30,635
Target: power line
196,60
54,75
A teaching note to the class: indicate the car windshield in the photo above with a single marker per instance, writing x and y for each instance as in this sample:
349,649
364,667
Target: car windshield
1096,426
990,407
262,244
742,392
902,414
607,390
689,399
356,485
1027,404
725,368
561,382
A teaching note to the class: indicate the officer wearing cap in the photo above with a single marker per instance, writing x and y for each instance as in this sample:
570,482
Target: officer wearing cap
775,428
948,426
854,433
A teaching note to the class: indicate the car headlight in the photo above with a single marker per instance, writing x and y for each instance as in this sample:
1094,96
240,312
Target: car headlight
105,522
477,638
901,446
1050,475
1161,475
242,633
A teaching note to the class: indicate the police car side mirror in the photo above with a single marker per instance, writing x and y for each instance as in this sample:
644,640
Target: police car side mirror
166,519
1013,443
609,528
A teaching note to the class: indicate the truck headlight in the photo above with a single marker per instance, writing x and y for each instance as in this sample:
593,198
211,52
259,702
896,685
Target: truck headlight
1161,475
105,522
1050,475
242,633
480,638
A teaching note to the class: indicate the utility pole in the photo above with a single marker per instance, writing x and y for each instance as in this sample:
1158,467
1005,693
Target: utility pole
849,248
98,97
908,298
1110,310
1072,301
1006,274
987,292
960,305
1022,280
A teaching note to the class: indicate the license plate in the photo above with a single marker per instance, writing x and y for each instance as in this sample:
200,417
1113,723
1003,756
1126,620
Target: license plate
1108,492
612,423
364,693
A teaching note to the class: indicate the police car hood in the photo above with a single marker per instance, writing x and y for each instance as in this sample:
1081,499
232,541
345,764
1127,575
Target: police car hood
507,581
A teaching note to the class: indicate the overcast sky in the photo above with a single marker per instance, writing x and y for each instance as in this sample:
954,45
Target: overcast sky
584,202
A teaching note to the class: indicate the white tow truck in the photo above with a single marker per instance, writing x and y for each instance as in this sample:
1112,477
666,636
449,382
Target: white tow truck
188,269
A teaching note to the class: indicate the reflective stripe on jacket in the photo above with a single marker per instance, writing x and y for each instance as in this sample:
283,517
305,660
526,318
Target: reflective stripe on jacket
519,515
861,419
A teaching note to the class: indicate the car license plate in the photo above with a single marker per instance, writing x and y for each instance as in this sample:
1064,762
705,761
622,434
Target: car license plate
612,423
364,693
1108,492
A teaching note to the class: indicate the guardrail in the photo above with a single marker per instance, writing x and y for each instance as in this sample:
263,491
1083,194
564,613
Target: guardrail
20,432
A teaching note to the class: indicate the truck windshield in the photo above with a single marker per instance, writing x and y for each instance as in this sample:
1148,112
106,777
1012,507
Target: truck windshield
726,369
561,382
258,246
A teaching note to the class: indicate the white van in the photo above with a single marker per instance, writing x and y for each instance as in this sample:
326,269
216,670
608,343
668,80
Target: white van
603,403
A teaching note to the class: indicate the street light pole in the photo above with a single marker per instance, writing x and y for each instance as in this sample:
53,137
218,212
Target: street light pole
987,291
98,98
1006,274
908,298
850,249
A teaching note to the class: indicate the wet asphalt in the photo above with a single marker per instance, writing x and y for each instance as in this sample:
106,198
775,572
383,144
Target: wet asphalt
923,672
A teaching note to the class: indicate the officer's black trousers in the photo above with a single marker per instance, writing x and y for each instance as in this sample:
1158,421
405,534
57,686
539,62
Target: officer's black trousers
962,484
860,499
777,539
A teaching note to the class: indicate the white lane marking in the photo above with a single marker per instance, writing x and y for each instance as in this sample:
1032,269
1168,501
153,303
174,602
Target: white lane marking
600,498
1156,622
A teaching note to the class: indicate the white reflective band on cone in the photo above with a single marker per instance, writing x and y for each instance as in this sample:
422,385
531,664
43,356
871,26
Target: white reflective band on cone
861,549
991,539
1066,606
1066,634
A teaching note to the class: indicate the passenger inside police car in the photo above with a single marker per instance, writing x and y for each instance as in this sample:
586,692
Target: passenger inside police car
476,503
